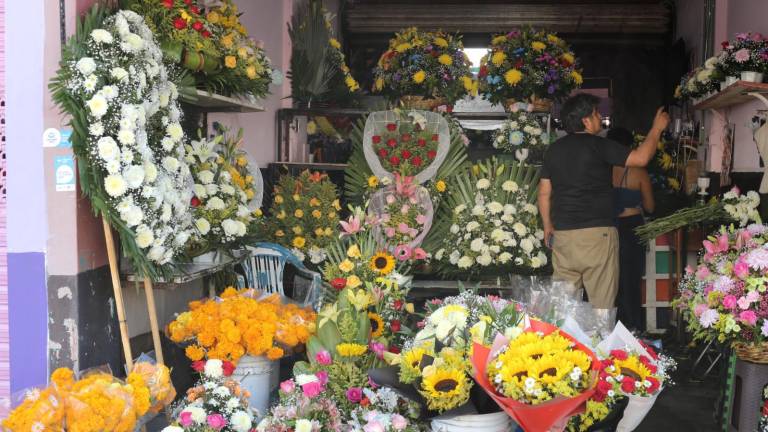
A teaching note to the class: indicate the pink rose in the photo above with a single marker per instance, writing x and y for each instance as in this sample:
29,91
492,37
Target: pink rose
389,232
748,317
741,269
288,386
312,389
323,357
355,394
399,422
216,421
729,301
322,376
405,209
403,228
185,418
421,219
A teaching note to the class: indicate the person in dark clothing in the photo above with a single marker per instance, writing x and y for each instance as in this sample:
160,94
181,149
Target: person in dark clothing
633,195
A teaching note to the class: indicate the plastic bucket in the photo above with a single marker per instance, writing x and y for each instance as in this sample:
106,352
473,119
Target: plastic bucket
260,377
494,422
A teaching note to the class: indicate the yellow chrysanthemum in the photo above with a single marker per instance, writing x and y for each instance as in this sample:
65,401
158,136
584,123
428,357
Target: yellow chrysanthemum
577,78
319,232
213,17
538,46
568,57
445,59
382,263
328,231
377,324
467,82
440,186
419,77
513,76
351,349
281,215
194,352
378,85
317,214
278,199
250,71
403,47
498,58
346,266
299,242
334,43
553,39
297,230
314,202
499,40
299,213
441,42
445,389
296,197
373,181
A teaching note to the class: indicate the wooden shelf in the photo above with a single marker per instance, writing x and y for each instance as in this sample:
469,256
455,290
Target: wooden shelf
211,102
735,94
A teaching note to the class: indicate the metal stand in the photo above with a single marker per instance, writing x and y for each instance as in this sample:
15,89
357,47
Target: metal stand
710,356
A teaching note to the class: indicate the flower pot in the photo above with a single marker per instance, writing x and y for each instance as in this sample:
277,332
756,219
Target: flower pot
259,377
493,422
730,80
421,103
756,77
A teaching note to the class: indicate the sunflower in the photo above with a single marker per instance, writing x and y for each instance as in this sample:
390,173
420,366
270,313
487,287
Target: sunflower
382,263
410,364
632,368
445,389
351,349
578,358
377,325
551,369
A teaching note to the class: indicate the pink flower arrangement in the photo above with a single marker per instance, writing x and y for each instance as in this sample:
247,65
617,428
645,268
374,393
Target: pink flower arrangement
748,52
404,213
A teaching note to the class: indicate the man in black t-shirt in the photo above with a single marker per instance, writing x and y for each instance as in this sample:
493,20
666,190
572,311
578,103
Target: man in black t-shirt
576,198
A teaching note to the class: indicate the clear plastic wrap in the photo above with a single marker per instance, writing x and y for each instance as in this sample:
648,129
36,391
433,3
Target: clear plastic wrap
387,201
158,380
36,410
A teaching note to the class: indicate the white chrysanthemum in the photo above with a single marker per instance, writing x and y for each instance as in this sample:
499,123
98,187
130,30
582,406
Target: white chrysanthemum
173,429
113,166
453,258
478,210
215,203
110,92
199,191
439,254
118,73
203,226
510,186
484,260
98,106
96,129
175,131
133,43
108,149
205,176
530,208
171,164
495,249
464,262
197,414
90,82
134,176
133,216
126,137
499,235
241,421
477,245
150,172
86,66
243,211
115,185
459,208
495,207
167,212
520,229
471,226
233,228
505,257
157,253
212,189
167,144
483,184
144,236
228,189
101,36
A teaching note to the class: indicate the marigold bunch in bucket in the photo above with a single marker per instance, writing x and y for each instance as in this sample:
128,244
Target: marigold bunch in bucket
241,323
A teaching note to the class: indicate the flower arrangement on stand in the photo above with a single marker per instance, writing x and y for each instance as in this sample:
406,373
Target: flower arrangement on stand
424,69
304,215
241,324
489,222
127,135
405,147
745,57
522,135
215,403
528,65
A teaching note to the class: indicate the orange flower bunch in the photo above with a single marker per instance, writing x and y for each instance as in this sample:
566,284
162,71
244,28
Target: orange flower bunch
240,324
158,380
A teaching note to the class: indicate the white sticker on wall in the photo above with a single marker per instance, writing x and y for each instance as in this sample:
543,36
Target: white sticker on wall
64,170
51,137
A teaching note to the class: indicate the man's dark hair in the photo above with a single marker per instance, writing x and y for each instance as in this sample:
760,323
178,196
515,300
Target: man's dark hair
576,108
622,136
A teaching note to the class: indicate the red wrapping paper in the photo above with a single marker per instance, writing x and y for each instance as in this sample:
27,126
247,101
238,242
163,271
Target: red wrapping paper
547,416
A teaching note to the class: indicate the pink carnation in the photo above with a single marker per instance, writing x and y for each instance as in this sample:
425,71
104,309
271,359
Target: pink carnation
741,269
216,421
748,317
185,418
743,303
729,301
312,389
288,386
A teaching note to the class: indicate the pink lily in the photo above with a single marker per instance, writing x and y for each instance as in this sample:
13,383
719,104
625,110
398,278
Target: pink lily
351,226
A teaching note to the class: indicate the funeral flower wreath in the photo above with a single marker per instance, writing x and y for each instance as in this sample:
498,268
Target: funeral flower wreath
127,135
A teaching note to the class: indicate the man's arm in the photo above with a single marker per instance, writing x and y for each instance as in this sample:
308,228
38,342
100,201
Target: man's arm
545,194
644,153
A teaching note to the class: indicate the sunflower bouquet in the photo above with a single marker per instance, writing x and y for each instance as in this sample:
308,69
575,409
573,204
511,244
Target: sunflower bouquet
238,324
304,215
528,64
430,65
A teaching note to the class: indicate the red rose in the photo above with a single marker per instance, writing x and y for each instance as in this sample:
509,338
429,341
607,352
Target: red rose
395,326
619,354
598,397
168,4
189,2
654,385
376,139
198,365
394,160
421,142
383,153
435,137
398,304
339,283
206,34
391,127
628,385
194,202
197,25
195,9
416,161
724,44
603,387
406,137
392,142
405,154
394,350
431,154
179,23
228,367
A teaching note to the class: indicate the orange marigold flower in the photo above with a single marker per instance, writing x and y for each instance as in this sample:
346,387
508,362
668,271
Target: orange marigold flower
275,353
194,352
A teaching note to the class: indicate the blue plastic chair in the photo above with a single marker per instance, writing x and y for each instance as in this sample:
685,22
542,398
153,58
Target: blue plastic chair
265,271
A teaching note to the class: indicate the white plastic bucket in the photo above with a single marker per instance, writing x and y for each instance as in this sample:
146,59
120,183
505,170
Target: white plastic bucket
494,422
756,77
260,377
731,80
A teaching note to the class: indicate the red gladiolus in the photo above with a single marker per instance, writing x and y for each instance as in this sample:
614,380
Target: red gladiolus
421,142
339,283
383,153
395,326
435,137
416,161
198,365
194,202
195,9
628,385
406,137
376,139
206,34
394,160
391,127
398,304
197,25
179,23
392,142
431,154
405,154
168,4
619,354
228,368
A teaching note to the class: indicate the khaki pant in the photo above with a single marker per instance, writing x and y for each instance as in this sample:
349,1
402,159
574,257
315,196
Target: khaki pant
589,257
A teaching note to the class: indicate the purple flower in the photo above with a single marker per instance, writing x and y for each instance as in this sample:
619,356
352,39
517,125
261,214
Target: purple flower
742,36
708,318
748,317
741,55
551,89
723,284
355,394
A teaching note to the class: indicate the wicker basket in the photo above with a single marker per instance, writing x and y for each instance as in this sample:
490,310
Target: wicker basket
754,353
421,103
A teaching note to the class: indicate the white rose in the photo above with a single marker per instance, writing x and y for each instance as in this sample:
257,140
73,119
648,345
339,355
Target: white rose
471,226
303,425
215,203
134,176
509,186
483,184
175,131
203,226
465,262
101,36
520,229
505,257
86,66
526,245
454,229
115,185
535,262
144,236
98,106
241,421
453,258
108,149
484,260
118,73
477,245
205,176
495,207
543,258
213,368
